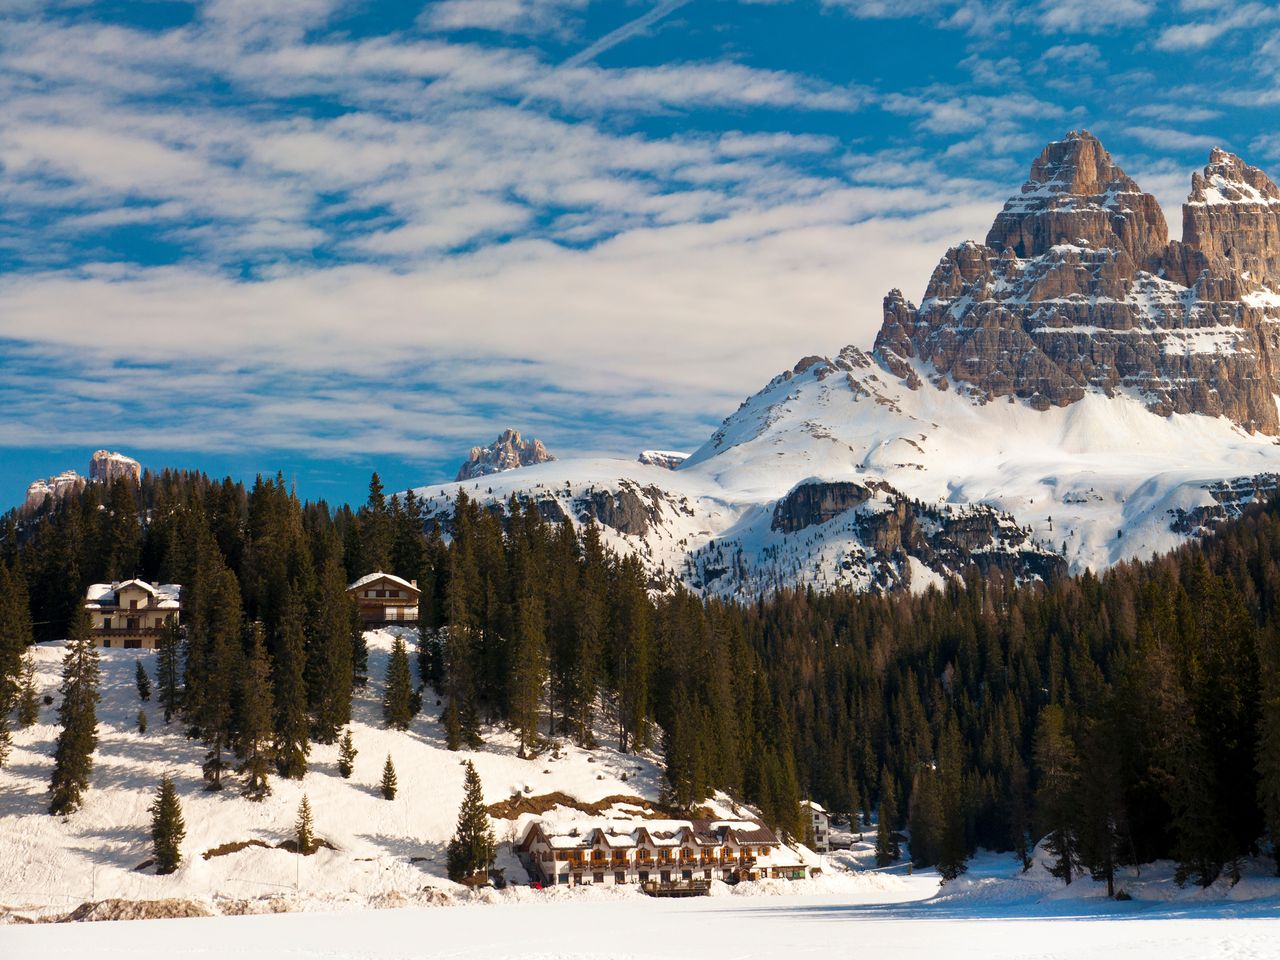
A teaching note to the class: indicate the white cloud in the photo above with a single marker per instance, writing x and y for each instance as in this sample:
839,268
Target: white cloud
519,17
1164,138
1092,16
1200,34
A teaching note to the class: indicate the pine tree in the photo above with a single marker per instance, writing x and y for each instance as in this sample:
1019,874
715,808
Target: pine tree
388,784
1268,749
887,850
168,829
142,680
169,669
212,716
304,828
254,735
288,676
473,846
1056,768
28,695
397,701
142,721
346,755
77,714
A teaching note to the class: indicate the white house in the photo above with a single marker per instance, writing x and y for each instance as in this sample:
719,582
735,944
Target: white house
819,825
132,613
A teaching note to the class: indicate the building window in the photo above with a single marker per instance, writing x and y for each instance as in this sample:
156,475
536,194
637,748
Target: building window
597,878
619,877
106,623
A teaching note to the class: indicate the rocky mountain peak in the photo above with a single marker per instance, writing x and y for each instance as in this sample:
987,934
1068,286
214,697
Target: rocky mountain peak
1077,288
1230,231
508,452
1076,194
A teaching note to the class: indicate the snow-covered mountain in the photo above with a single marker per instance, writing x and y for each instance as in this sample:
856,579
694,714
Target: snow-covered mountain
1072,392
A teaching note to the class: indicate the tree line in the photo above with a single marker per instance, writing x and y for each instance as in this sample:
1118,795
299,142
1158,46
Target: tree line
967,716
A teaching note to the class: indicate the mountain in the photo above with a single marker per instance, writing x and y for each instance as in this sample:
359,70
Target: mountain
508,452
1073,391
104,467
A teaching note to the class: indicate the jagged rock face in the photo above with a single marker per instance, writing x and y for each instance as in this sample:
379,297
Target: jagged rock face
666,459
106,467
1076,288
63,485
1077,195
508,452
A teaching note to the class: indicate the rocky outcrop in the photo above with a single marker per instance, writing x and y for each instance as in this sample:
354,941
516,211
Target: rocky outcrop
666,459
1077,288
508,452
107,467
66,484
812,503
629,509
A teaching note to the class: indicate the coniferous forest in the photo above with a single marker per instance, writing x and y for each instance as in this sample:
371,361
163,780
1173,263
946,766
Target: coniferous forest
1120,718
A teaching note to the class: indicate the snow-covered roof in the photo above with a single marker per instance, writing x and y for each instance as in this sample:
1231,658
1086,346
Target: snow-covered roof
369,578
585,834
167,596
815,807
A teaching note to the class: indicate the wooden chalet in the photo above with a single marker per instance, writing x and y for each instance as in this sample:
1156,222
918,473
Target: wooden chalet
663,856
384,598
132,613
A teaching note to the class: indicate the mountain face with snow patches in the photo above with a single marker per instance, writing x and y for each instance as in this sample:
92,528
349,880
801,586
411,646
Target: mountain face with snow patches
1074,391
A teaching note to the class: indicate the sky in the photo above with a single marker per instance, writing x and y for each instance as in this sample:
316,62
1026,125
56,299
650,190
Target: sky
324,237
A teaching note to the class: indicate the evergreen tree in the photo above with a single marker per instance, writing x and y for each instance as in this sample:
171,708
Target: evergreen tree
142,721
288,676
397,700
887,850
528,667
473,846
388,784
1056,768
1268,749
142,681
77,715
254,733
346,755
169,669
1101,834
304,828
212,714
168,829
28,695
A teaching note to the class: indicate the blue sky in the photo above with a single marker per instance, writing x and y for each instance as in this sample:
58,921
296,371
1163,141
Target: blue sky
323,236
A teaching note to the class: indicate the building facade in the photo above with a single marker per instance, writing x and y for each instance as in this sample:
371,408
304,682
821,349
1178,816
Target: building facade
384,599
819,826
132,613
656,852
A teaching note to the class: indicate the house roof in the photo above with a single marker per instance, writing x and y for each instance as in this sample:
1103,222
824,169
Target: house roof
815,807
582,835
166,596
369,578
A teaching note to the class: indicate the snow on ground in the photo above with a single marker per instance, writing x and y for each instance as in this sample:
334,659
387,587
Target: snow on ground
390,855
386,849
638,929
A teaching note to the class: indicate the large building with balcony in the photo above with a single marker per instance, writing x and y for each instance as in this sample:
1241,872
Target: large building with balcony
132,613
384,598
658,853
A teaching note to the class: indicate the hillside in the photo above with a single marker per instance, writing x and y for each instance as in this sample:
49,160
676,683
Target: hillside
387,852
1074,391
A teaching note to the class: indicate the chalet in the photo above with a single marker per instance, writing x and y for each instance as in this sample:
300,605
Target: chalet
819,826
384,598
612,852
132,613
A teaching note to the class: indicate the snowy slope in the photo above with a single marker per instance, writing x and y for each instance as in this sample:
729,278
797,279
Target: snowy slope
1095,482
52,863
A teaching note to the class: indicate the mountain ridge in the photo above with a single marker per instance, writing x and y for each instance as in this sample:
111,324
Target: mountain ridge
1075,390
